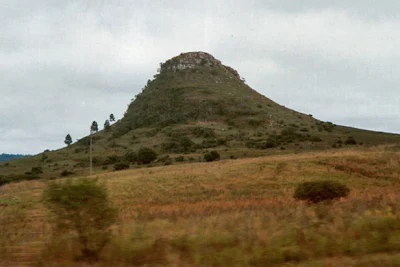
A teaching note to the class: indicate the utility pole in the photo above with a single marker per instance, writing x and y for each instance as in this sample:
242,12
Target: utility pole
90,151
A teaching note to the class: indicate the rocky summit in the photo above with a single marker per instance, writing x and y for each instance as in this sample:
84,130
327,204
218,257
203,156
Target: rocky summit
193,60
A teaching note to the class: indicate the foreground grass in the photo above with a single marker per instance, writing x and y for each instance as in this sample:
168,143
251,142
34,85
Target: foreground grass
227,213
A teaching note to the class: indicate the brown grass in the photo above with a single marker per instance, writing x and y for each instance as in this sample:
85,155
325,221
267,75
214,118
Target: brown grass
230,213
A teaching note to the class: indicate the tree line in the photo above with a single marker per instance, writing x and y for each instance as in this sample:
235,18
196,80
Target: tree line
93,128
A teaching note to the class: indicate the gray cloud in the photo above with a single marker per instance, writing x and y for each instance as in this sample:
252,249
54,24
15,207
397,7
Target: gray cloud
66,63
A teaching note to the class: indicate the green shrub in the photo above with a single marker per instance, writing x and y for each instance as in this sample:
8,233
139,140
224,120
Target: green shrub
44,157
66,173
79,149
181,144
28,176
254,122
18,177
32,175
81,208
37,170
130,156
211,156
209,143
270,143
315,138
179,159
85,141
350,141
322,190
112,159
121,166
5,180
123,128
203,132
146,155
97,160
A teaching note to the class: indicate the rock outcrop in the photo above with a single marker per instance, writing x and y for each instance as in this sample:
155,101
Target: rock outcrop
192,60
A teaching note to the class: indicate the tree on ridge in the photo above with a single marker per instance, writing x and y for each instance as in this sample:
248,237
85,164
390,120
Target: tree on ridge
68,140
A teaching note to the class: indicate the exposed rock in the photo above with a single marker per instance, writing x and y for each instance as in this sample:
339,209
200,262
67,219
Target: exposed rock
233,71
193,60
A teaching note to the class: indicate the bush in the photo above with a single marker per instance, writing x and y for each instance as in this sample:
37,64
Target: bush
121,166
130,156
81,206
28,176
179,145
211,156
66,173
179,159
97,160
79,149
209,143
203,132
37,170
350,141
18,177
111,159
146,155
315,138
166,159
5,180
317,191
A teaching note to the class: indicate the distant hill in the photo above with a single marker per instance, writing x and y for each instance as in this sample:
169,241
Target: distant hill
193,105
4,157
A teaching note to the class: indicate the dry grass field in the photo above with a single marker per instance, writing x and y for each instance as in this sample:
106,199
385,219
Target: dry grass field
237,212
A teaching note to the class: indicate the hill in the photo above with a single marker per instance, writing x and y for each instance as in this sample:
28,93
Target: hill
193,105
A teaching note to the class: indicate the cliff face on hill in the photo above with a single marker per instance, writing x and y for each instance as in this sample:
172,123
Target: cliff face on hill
192,60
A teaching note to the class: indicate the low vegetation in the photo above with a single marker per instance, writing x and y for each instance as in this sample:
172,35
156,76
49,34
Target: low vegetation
323,190
146,155
229,212
211,156
121,166
82,207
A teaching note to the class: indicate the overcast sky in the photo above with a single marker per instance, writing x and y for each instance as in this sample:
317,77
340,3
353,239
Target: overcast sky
66,63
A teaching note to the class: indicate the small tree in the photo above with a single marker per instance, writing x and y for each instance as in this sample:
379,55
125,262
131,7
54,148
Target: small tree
82,206
146,155
107,125
112,118
68,140
94,127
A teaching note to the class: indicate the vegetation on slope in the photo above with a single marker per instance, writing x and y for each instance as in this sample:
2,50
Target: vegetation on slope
229,212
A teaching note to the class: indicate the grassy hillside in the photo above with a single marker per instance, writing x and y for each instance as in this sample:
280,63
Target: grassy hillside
231,212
